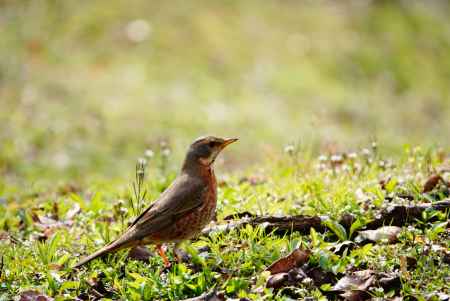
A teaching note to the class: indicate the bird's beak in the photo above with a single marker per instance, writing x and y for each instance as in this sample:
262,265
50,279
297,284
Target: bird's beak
228,141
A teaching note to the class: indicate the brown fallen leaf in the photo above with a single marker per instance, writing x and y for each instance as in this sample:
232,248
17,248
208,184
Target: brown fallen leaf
55,267
291,278
211,296
320,276
34,296
297,275
446,257
411,262
277,281
55,211
432,182
339,248
359,280
295,259
48,226
45,234
73,211
253,180
389,281
45,222
97,286
68,188
4,235
140,253
389,233
355,286
438,296
355,295
404,266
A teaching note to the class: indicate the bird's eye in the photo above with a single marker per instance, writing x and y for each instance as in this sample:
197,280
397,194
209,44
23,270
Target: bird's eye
212,143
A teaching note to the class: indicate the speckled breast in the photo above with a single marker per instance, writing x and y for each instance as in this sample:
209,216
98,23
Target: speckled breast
192,223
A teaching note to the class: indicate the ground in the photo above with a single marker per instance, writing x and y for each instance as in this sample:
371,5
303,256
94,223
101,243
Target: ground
87,88
48,231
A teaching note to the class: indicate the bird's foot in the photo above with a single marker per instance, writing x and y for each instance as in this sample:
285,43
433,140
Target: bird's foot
162,253
181,255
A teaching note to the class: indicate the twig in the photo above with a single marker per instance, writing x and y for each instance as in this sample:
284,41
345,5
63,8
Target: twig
278,225
1,266
401,215
396,216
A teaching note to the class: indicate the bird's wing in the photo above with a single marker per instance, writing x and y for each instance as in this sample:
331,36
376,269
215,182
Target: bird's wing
183,195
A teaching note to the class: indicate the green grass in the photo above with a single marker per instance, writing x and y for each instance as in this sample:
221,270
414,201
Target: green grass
233,262
88,87
79,96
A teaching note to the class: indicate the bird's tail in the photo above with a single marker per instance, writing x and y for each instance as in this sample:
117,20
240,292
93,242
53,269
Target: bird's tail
124,241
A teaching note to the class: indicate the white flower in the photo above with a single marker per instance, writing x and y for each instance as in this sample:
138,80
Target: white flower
138,30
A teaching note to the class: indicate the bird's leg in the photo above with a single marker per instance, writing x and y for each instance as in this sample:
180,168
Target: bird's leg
176,252
180,253
162,253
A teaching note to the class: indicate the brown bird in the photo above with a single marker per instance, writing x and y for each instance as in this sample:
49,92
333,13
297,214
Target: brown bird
182,210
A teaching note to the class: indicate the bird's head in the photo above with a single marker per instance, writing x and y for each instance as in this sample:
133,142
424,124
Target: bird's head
204,150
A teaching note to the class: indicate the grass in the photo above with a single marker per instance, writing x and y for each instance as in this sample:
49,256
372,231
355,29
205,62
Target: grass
79,93
42,239
88,87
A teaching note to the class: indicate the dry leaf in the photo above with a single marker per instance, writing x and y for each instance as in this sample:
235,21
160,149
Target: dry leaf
294,259
296,275
438,296
140,253
4,235
355,295
211,296
278,280
431,183
73,211
55,266
97,286
389,281
44,222
355,286
319,276
446,257
253,180
34,296
360,280
293,277
389,233
403,265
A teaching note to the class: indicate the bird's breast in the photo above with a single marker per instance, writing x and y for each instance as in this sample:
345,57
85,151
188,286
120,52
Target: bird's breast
193,222
209,207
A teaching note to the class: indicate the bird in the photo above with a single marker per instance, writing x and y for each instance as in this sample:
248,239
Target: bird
182,210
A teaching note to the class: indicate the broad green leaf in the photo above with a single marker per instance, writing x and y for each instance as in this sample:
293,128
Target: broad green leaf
337,228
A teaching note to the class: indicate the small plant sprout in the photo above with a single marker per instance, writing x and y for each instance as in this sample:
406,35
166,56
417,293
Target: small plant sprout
139,193
337,229
120,211
46,251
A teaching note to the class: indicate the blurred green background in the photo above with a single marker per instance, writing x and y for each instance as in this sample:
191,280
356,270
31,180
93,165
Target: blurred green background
87,86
